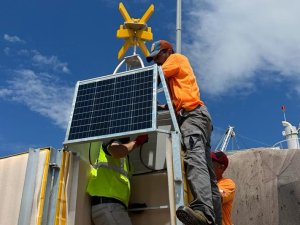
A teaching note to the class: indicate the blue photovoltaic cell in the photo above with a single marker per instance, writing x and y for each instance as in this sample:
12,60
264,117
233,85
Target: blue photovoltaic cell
115,105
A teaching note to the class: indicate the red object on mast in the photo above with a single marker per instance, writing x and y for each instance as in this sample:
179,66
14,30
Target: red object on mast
283,110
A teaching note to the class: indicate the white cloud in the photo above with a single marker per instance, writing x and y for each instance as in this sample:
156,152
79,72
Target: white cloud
41,93
40,60
36,58
5,92
233,43
35,83
12,39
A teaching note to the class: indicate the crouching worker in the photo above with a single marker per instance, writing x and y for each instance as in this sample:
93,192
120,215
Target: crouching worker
109,185
226,185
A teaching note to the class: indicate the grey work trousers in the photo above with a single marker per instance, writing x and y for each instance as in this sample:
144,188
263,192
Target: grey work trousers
196,128
110,214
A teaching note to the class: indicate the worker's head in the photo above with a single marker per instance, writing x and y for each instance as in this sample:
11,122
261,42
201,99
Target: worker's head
220,163
160,51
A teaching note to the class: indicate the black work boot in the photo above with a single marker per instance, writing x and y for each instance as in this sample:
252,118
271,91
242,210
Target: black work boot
191,217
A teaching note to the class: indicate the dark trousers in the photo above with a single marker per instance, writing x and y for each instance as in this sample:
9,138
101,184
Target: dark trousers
196,128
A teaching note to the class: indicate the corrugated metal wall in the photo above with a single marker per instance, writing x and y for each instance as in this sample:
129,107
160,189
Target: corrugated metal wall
12,178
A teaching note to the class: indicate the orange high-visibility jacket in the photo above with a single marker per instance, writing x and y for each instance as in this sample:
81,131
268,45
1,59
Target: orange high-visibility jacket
227,190
182,82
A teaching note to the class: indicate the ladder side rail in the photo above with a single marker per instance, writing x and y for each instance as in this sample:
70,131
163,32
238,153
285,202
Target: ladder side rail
169,101
177,172
175,175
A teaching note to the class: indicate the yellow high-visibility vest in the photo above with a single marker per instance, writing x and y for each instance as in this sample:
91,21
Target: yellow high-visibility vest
110,178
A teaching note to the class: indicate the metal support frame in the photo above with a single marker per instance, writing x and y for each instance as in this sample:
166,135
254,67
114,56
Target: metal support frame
175,176
224,141
29,187
229,134
133,61
176,149
178,181
51,192
74,184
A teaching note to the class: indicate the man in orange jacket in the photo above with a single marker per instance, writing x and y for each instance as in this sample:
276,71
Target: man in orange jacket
226,185
196,127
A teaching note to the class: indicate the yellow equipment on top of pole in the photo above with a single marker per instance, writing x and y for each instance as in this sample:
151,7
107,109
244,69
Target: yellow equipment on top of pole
134,31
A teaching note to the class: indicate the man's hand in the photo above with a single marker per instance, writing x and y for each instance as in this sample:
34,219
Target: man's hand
141,139
162,107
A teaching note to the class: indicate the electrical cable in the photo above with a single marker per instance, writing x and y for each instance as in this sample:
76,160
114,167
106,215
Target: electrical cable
254,140
241,137
90,160
90,155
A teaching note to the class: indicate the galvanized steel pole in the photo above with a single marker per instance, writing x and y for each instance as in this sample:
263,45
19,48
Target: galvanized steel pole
178,27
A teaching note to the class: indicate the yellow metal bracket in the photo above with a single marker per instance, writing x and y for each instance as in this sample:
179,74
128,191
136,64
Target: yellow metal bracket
134,31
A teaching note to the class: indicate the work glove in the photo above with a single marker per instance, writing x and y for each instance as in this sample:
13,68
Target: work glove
141,139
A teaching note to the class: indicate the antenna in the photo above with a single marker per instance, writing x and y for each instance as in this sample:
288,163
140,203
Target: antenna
290,132
283,108
178,27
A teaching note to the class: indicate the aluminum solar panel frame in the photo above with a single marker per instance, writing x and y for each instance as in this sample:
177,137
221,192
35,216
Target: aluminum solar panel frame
114,106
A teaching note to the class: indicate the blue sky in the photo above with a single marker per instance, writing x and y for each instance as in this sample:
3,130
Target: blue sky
246,56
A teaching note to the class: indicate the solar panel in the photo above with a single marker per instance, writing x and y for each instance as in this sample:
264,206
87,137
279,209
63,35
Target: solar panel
114,105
